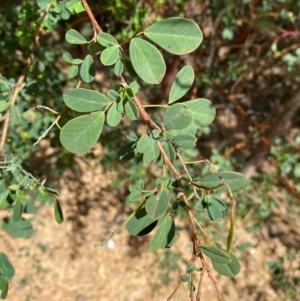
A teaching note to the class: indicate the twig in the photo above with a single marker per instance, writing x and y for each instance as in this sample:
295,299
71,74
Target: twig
152,125
198,297
48,129
174,292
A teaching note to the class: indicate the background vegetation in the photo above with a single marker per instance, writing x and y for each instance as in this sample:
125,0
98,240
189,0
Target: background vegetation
247,65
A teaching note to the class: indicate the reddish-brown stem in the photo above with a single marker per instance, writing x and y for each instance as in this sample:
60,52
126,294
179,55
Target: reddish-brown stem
20,82
198,297
91,16
152,125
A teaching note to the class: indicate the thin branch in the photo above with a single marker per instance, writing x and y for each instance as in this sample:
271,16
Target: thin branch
198,297
174,292
47,131
152,125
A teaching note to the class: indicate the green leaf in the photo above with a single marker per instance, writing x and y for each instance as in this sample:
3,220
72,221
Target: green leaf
131,110
190,268
134,86
182,83
216,254
185,141
3,287
84,101
59,217
214,212
163,235
201,204
229,270
29,115
142,144
110,55
175,35
127,152
190,129
112,95
203,111
120,104
87,69
170,151
185,278
147,61
106,39
3,197
77,61
132,137
22,228
80,134
177,117
119,67
217,203
67,57
135,193
157,206
18,209
74,37
6,268
140,223
73,71
43,196
4,106
113,116
234,180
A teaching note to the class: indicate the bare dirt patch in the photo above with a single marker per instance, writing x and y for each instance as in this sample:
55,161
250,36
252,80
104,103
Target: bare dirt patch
61,262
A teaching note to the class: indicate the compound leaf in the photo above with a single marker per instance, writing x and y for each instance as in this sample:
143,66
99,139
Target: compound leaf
230,269
175,35
80,134
147,61
84,100
234,180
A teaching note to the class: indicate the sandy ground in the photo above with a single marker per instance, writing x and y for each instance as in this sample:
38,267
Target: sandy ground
61,262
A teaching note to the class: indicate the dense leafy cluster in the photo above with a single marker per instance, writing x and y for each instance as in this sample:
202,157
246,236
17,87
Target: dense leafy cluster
136,57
